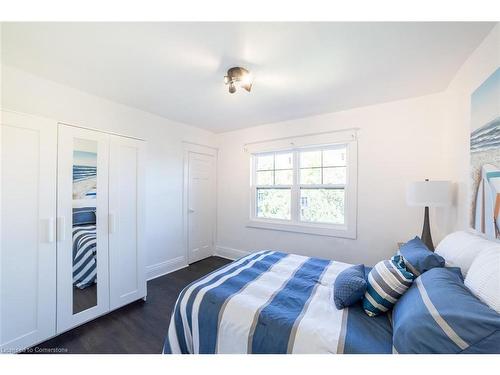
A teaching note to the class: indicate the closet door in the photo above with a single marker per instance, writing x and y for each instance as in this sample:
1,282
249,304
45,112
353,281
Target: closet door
126,255
82,226
28,147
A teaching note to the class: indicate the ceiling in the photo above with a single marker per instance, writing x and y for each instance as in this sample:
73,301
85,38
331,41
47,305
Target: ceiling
176,70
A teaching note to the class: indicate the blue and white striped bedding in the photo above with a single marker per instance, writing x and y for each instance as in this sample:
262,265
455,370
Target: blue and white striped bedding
272,302
84,255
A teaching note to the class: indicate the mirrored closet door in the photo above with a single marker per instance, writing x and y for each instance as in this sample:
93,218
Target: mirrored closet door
82,226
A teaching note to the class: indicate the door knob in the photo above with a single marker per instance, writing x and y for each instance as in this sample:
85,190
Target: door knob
111,223
190,210
61,228
50,230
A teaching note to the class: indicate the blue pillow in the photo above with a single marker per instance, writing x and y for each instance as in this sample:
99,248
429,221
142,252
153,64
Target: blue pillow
419,258
349,286
438,314
457,271
387,281
84,216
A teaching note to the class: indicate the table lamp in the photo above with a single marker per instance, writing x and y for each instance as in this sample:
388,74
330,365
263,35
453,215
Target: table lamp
428,194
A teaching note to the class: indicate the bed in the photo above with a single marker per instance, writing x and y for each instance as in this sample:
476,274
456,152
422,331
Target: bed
84,247
272,302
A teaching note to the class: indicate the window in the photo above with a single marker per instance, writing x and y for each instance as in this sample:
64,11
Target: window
274,180
310,190
322,185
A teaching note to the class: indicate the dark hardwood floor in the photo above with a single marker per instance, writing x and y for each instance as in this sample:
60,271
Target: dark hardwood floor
84,299
140,327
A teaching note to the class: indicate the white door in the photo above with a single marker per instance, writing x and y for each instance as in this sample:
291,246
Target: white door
201,205
126,226
82,226
28,147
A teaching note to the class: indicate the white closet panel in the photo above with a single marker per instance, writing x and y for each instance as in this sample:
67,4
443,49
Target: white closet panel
126,260
27,246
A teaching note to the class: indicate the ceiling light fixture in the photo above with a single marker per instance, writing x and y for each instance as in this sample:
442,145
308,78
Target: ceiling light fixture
238,76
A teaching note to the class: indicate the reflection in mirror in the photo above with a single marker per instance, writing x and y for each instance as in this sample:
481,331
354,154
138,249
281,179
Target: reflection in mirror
84,225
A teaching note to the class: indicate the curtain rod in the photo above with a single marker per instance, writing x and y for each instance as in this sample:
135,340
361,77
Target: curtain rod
301,135
102,131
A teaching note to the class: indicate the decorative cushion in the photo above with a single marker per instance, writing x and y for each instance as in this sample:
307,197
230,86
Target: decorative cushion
418,258
349,286
438,314
459,249
483,278
387,281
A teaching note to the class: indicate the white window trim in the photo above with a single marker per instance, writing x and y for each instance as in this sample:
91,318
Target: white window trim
346,230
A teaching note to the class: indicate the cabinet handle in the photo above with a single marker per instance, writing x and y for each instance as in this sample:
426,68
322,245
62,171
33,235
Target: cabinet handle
50,230
61,228
112,223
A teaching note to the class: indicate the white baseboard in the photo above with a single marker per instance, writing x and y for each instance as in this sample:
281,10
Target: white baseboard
160,269
230,253
171,265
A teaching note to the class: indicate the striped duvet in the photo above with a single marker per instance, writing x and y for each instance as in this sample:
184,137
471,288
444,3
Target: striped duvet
272,302
84,255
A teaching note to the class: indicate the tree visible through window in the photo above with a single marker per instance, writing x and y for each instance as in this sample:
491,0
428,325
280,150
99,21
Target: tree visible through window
274,179
301,186
322,185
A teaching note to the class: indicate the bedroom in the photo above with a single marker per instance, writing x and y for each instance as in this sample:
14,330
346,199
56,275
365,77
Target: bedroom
250,187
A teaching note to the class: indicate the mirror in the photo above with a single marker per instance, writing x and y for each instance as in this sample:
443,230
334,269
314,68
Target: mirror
84,225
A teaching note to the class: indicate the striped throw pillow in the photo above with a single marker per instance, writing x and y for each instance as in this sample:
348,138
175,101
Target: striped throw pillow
387,281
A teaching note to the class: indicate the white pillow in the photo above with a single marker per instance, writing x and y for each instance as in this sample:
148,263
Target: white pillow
483,278
459,249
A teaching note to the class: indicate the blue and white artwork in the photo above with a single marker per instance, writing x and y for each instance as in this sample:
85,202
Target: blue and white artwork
485,157
84,169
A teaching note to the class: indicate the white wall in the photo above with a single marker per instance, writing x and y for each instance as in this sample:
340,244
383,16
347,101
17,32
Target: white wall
27,93
398,142
478,67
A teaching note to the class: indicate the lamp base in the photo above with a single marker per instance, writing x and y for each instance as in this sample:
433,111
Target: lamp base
426,231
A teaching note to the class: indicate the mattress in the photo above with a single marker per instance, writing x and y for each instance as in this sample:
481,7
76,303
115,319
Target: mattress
272,302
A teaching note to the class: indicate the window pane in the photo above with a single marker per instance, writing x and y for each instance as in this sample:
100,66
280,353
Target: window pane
310,159
322,205
284,161
273,203
334,158
265,178
309,176
335,175
284,177
265,162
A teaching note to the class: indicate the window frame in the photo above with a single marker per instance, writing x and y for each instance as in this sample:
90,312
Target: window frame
346,230
255,187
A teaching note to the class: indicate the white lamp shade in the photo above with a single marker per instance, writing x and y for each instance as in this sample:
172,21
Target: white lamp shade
429,193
